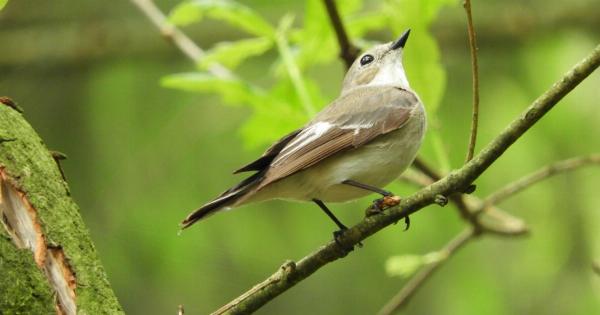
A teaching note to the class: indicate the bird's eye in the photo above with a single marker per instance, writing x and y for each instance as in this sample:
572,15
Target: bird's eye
366,59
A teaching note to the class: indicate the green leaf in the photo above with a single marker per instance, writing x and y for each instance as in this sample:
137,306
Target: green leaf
269,121
359,25
316,40
233,91
225,10
232,54
406,265
3,3
291,66
403,266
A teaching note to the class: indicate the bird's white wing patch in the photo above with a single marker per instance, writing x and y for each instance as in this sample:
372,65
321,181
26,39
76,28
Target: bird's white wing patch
308,135
357,127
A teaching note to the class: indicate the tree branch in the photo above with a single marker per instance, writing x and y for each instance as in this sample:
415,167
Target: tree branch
454,182
475,75
348,52
547,171
48,262
409,289
177,37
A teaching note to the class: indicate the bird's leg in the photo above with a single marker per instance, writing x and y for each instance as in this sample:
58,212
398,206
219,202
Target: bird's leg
388,199
356,184
337,234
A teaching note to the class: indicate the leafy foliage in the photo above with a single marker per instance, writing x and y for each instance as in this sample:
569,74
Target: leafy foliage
229,11
231,54
295,96
3,4
406,265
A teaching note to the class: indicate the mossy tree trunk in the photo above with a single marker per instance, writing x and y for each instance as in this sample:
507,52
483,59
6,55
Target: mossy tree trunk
48,263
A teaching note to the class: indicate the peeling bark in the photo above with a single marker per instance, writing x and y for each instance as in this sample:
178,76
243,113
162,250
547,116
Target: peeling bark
61,273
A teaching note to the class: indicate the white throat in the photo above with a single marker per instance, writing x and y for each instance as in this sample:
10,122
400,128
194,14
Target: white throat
391,74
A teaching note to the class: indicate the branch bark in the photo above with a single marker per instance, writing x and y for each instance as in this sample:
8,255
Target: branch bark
454,182
475,76
47,259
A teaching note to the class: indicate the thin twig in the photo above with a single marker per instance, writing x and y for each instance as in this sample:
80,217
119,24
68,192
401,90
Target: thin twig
539,175
454,182
409,289
348,52
475,75
177,37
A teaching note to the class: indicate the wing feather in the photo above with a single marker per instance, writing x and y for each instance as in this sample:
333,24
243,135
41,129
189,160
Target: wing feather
371,113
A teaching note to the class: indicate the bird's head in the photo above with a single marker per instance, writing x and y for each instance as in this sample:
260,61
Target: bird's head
380,65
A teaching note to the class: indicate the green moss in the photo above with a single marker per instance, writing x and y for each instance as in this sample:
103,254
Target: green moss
27,160
23,288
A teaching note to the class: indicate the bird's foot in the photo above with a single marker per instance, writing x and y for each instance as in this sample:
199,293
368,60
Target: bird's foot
381,204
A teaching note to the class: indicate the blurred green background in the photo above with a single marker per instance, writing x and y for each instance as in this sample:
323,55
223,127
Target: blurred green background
141,156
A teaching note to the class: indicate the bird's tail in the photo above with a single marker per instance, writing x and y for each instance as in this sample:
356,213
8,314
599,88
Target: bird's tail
226,199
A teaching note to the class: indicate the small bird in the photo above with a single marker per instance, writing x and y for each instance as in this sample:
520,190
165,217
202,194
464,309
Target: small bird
359,143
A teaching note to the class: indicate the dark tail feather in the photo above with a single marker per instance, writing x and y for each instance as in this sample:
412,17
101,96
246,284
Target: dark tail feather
227,198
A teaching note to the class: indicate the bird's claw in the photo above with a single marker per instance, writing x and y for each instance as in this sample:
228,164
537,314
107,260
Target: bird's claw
407,223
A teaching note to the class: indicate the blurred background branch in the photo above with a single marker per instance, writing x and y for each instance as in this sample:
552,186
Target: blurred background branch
547,171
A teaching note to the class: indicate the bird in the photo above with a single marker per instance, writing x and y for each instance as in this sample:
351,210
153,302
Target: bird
359,143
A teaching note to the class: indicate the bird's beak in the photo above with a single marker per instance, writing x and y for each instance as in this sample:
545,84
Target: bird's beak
401,41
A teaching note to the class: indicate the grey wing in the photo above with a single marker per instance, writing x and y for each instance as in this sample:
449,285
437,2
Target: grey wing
371,113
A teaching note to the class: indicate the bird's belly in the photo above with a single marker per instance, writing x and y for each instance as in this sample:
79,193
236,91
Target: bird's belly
376,164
